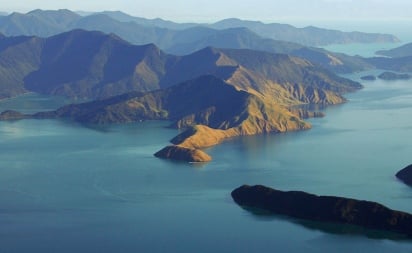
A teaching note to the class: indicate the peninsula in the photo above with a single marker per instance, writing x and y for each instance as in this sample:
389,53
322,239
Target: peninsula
331,209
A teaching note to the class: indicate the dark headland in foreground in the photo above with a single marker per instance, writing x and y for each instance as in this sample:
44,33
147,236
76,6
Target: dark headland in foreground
331,209
405,175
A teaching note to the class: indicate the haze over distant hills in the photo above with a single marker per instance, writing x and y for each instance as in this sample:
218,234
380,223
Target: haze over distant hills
402,51
310,35
181,42
398,59
92,64
246,86
163,33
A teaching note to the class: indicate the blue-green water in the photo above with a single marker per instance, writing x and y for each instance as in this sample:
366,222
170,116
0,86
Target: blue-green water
401,29
65,187
361,49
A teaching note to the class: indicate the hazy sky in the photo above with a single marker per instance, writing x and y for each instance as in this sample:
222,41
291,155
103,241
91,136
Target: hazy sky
212,10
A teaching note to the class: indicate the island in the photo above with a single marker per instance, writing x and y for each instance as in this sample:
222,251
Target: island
369,78
405,175
179,153
210,95
330,209
391,76
12,115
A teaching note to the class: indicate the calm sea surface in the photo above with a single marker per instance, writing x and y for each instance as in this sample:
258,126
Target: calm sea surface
65,187
401,29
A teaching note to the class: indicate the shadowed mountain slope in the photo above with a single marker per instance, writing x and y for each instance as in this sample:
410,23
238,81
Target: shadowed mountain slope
210,109
88,65
48,23
244,92
184,41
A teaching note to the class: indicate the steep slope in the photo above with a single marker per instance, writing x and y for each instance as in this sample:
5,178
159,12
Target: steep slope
209,108
38,23
246,92
19,57
243,38
288,80
79,64
92,64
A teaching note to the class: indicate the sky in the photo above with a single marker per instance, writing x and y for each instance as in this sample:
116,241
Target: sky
214,10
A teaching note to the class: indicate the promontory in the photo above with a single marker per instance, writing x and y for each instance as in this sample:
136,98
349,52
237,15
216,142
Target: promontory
331,209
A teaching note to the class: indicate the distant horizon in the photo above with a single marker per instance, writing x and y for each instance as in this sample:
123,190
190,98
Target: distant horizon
209,20
214,10
348,25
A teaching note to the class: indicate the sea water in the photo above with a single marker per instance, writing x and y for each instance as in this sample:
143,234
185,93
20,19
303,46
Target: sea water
67,187
401,29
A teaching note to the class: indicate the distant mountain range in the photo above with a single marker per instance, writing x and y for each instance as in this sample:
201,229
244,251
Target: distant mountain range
311,36
214,93
167,34
249,85
89,65
183,39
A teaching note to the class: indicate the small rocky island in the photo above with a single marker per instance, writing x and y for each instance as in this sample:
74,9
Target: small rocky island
405,175
391,76
12,115
302,205
179,153
369,78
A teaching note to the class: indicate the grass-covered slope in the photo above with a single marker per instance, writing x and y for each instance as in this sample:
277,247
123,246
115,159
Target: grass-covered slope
210,109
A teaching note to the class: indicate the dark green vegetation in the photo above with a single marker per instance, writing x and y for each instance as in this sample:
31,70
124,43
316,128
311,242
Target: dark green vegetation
302,205
166,34
78,64
405,175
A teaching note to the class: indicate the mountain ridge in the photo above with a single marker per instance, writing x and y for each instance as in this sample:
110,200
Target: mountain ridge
46,23
89,65
210,110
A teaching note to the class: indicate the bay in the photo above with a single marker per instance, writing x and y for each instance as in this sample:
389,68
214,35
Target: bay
66,187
